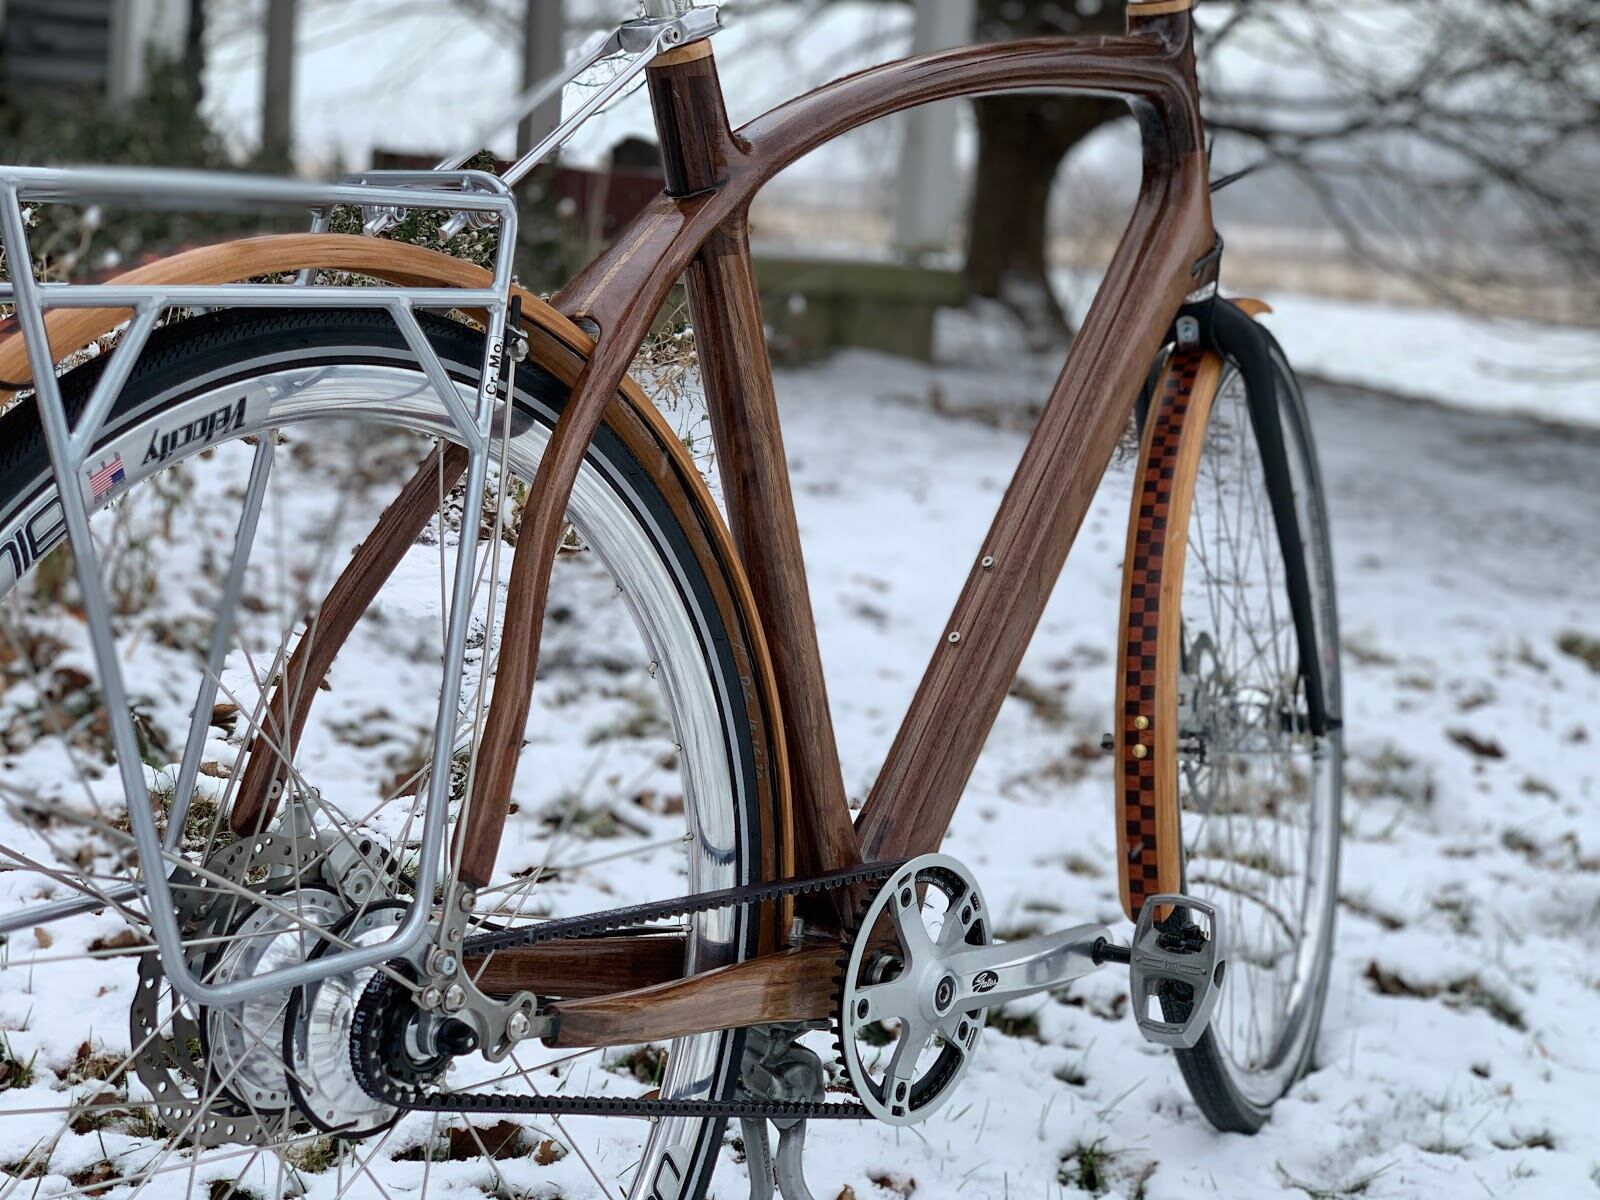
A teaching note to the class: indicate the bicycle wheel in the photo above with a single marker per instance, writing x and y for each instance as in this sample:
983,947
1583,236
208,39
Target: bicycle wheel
1258,793
645,776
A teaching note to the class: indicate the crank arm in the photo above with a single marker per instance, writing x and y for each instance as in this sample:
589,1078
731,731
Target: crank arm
987,976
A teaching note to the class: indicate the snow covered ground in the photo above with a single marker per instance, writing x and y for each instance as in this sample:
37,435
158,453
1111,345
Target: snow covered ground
1550,372
1459,1052
1461,1046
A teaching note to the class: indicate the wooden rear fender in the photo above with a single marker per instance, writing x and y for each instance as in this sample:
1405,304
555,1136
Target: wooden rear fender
558,346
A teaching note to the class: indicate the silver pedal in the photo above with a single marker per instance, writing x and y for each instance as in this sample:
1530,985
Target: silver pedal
1175,969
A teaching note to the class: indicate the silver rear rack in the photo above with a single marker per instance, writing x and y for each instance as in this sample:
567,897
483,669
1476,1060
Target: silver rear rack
469,195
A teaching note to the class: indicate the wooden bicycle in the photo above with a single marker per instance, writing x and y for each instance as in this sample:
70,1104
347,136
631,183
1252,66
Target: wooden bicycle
329,962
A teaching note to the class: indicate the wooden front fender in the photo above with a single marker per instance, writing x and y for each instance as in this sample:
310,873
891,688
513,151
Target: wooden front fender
558,346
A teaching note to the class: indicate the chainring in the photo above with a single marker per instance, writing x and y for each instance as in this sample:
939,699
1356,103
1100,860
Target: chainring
892,970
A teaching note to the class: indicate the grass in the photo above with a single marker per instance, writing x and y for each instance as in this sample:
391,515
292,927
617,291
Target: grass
1086,1167
646,1064
1581,646
1541,1139
1071,1074
876,1033
1356,1186
89,1063
1016,1025
314,1157
14,1072
1392,774
1045,702
1466,992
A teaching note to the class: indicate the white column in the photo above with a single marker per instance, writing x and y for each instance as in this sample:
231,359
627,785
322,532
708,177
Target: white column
928,192
139,27
542,56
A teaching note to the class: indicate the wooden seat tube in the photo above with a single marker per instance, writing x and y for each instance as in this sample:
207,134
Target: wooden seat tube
697,151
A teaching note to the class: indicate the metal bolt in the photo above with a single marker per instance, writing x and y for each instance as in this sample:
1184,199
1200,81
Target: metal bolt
455,998
468,902
944,993
1141,722
955,636
429,998
442,962
1141,751
517,1027
988,562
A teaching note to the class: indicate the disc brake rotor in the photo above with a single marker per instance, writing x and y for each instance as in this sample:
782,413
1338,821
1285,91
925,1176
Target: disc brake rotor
218,1072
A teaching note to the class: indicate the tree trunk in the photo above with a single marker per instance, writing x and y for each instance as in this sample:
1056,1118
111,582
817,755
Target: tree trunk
1022,141
277,86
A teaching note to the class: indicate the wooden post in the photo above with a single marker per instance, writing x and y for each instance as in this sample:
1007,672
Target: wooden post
277,84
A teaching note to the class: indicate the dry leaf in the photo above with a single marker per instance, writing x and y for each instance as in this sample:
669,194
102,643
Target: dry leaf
549,1151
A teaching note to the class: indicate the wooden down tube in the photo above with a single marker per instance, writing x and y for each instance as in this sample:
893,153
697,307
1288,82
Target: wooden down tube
698,228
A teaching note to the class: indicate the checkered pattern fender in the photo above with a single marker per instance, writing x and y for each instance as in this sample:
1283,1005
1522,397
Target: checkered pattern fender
1150,857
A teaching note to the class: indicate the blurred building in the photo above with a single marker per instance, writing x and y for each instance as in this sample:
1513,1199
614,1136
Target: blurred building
98,45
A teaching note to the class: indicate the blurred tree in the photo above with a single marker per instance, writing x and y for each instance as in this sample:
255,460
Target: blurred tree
1453,141
1456,142
1022,142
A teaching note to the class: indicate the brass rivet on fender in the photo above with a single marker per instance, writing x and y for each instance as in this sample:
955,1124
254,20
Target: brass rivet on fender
1141,751
1141,722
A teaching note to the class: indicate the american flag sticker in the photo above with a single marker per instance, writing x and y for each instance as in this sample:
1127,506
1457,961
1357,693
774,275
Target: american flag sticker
105,477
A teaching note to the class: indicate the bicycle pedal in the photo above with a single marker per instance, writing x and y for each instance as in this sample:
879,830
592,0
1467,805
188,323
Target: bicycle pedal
1175,969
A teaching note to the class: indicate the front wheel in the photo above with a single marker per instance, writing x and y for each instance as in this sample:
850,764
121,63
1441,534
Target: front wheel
1218,725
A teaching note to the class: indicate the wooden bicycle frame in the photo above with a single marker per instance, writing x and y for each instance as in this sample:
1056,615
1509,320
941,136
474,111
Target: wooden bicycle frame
624,990
698,230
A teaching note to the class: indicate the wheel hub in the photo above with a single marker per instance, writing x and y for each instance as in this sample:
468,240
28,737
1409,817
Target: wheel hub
317,1042
244,1042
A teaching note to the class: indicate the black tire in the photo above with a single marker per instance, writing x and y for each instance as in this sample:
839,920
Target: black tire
197,355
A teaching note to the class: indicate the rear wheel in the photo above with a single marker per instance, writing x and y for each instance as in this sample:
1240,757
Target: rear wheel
644,776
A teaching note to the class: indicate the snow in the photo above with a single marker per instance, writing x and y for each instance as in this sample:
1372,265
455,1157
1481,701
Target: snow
1459,1050
1549,372
1465,551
